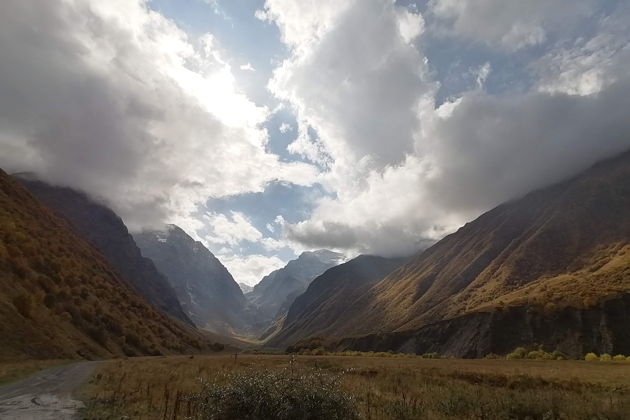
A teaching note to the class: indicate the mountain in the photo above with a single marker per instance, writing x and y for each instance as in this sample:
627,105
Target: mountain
327,297
106,231
245,288
275,292
60,298
551,268
205,288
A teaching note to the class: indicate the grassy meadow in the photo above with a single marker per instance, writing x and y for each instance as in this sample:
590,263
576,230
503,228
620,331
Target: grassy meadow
12,370
404,387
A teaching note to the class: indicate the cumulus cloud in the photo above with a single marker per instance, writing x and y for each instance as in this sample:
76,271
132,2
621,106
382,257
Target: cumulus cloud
229,230
285,128
508,24
249,269
403,172
114,99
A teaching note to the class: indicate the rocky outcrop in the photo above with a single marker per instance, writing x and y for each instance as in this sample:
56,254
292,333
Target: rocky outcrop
574,331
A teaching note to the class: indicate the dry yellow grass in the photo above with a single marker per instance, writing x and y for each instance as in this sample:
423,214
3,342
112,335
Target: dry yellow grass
384,388
14,370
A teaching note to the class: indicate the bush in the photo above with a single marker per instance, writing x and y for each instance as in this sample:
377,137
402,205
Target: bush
24,305
539,355
278,395
430,356
590,357
518,353
558,355
491,356
619,358
605,357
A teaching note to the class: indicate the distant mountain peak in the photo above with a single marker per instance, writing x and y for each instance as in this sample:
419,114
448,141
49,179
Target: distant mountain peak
275,292
203,285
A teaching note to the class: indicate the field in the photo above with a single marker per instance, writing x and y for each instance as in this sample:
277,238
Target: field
14,370
380,387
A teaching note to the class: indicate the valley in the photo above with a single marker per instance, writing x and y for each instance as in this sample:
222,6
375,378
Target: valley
404,387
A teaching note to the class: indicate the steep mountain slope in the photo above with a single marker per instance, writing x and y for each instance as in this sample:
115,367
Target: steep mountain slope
60,298
276,291
245,288
205,288
107,232
327,297
549,263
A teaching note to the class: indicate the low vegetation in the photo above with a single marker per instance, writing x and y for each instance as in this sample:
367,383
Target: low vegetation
16,369
221,387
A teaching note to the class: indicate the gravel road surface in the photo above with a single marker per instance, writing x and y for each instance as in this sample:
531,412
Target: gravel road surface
46,394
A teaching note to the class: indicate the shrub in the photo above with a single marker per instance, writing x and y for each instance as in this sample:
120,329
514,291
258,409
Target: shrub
277,395
539,355
590,357
619,357
558,355
430,356
518,353
605,357
491,356
24,305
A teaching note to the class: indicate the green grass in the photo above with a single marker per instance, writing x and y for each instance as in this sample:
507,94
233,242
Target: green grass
381,387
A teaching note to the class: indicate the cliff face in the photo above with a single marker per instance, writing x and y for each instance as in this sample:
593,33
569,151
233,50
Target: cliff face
106,231
602,328
205,288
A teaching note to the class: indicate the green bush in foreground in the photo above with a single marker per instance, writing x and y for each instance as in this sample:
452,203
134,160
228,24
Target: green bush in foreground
605,357
590,357
518,353
619,358
278,395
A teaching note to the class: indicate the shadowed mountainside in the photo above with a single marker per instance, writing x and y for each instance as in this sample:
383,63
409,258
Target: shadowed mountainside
60,298
205,288
327,297
276,292
106,231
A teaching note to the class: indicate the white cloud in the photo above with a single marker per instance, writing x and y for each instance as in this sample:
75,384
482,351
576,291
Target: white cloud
114,99
247,67
230,230
509,24
250,269
285,128
403,173
588,64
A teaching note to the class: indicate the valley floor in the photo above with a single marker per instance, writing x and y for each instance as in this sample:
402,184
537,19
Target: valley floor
382,387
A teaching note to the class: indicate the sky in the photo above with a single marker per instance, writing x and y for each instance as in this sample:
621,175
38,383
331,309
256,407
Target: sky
266,128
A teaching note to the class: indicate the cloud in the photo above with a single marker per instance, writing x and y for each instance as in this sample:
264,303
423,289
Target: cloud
285,128
508,24
403,172
230,230
112,98
250,269
247,67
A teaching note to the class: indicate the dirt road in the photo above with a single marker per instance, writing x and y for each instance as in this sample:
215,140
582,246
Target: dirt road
45,395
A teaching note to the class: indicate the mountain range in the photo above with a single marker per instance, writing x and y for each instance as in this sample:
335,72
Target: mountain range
551,268
104,229
276,292
205,288
60,298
